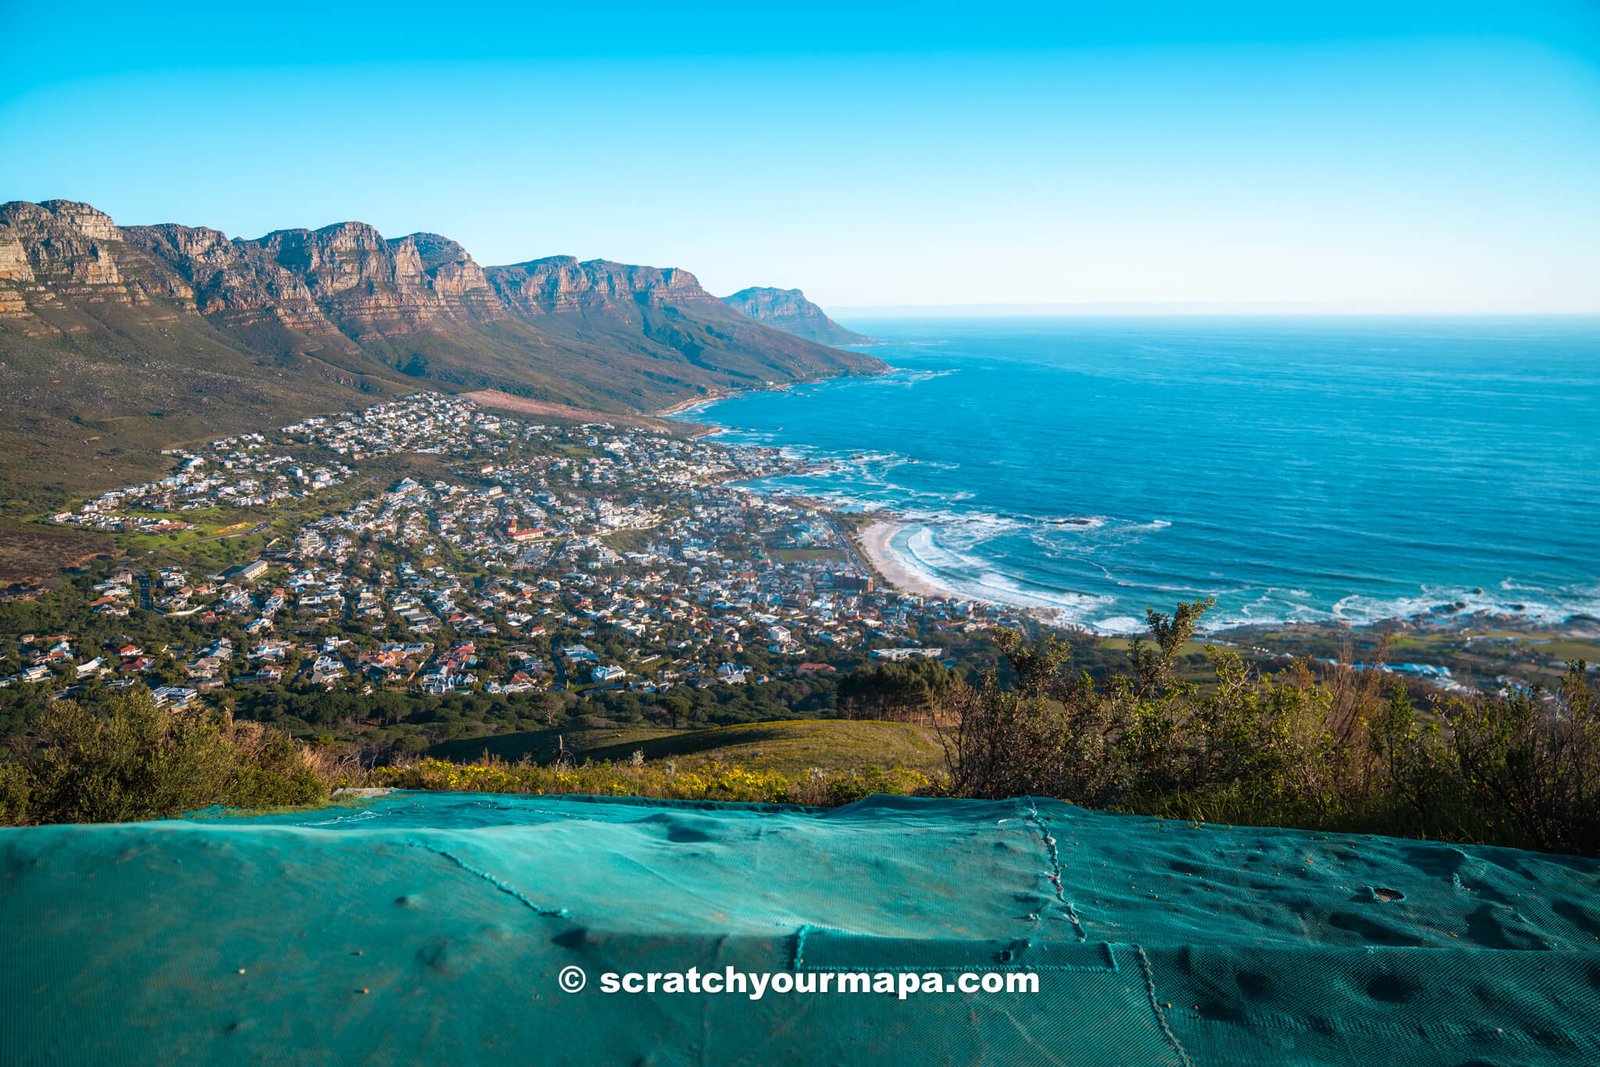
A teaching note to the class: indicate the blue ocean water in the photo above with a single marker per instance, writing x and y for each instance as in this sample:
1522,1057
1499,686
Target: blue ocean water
1294,469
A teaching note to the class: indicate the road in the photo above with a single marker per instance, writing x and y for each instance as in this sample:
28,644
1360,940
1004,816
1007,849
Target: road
848,544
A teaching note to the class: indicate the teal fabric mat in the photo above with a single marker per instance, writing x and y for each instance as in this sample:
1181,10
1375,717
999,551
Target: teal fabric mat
432,928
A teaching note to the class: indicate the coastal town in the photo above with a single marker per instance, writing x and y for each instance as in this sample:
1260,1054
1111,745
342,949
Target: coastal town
433,546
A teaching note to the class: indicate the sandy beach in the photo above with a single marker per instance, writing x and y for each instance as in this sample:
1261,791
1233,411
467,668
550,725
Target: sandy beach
874,543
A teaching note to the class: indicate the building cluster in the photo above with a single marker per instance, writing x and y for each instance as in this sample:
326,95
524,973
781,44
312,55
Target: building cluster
524,557
237,472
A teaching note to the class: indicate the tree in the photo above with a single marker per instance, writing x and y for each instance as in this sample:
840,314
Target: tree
1152,667
902,690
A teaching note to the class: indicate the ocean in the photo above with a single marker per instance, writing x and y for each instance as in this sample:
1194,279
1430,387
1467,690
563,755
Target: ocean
1305,470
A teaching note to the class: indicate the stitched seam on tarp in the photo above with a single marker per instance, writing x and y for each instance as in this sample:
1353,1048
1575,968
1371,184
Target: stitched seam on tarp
800,947
1155,1006
1053,856
865,943
508,890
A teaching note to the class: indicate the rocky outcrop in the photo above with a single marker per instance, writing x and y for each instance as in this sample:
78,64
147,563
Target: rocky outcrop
218,278
372,287
14,265
343,281
452,274
342,284
16,275
67,245
54,255
790,311
562,284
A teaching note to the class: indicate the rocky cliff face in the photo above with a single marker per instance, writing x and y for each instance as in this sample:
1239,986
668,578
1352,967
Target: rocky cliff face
342,284
58,251
450,272
345,283
372,287
562,284
790,311
16,273
219,279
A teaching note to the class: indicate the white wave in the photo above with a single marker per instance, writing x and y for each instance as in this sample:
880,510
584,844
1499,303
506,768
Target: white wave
965,529
1272,605
1441,602
918,549
904,378
919,546
1119,626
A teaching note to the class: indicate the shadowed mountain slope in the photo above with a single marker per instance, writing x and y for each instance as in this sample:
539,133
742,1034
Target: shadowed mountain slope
790,311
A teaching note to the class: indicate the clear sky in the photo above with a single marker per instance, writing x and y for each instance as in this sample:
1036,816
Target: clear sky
1344,156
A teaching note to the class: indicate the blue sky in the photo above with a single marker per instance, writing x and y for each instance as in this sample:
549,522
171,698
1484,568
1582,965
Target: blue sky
1380,156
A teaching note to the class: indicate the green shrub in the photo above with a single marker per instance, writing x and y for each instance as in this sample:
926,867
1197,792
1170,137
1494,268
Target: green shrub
133,760
15,785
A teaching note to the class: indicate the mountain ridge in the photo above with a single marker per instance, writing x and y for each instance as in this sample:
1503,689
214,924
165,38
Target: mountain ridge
101,323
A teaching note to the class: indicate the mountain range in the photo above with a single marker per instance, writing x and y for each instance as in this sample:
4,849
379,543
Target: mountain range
114,338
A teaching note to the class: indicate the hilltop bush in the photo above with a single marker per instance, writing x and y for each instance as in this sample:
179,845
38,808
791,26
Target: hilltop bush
131,759
1338,750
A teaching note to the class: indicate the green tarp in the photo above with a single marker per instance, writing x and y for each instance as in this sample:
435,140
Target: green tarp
435,927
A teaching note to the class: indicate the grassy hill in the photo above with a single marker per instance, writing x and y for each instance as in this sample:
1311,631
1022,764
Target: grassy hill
789,747
91,408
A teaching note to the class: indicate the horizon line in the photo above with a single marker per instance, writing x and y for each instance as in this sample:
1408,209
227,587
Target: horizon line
1205,308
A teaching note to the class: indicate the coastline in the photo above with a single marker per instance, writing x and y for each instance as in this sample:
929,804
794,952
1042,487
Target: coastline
688,405
715,395
871,534
873,541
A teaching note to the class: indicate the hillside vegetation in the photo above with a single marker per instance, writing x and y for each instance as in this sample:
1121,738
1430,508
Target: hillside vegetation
1345,749
1342,750
131,760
